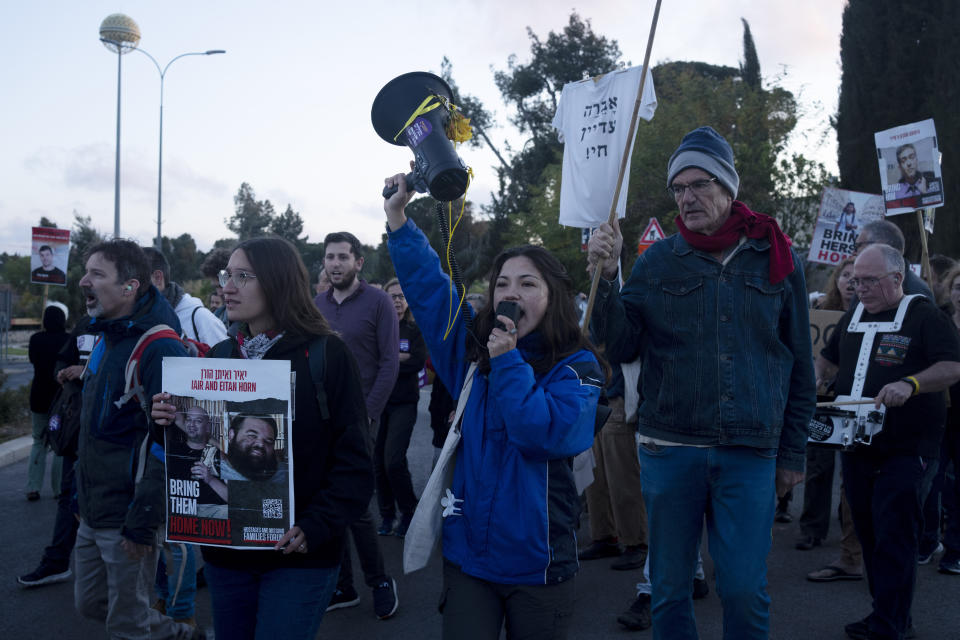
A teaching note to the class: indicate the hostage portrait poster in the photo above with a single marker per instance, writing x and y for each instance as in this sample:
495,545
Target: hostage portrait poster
842,216
49,254
228,454
909,157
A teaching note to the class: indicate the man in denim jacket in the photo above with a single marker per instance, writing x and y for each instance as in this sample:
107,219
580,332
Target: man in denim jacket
718,313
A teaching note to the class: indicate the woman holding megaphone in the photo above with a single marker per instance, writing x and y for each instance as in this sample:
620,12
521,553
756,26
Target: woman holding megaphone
511,510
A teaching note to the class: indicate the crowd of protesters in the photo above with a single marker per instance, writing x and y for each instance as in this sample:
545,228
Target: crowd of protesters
691,398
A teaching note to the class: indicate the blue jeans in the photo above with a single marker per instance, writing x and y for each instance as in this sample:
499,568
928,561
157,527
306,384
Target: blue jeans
172,561
733,487
261,605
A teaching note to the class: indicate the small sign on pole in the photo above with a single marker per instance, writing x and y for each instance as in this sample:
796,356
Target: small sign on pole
651,234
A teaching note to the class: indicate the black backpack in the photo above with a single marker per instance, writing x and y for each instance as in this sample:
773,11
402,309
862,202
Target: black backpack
62,432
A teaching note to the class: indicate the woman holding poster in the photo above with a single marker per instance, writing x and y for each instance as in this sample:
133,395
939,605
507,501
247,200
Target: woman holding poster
509,526
283,593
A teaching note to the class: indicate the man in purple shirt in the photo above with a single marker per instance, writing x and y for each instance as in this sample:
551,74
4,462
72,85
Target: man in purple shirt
365,319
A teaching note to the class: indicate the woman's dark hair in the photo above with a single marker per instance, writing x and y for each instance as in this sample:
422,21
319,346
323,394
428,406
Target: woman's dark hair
286,286
945,284
407,315
559,326
54,319
833,300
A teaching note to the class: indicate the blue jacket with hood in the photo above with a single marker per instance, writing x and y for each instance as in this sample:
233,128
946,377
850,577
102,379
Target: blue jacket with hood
518,512
108,454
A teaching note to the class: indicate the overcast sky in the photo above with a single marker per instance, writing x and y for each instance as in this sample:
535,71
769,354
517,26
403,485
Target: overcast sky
287,108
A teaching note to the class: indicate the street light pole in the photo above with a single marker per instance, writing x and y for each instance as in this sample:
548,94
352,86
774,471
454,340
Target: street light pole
158,242
119,33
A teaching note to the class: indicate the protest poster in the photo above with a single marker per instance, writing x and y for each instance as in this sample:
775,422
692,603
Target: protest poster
842,215
49,254
228,454
910,167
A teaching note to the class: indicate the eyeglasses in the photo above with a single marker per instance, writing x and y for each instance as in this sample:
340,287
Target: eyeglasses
397,296
699,188
857,246
868,283
239,278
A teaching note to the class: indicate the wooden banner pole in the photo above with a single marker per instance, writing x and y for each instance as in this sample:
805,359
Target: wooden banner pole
623,161
924,251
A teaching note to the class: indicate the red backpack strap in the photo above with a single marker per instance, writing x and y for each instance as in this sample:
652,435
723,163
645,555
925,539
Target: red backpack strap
131,375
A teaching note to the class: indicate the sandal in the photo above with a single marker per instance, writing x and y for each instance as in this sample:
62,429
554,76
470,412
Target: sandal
831,573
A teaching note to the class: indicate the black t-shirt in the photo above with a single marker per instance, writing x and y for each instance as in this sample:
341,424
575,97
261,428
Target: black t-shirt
53,276
926,337
180,460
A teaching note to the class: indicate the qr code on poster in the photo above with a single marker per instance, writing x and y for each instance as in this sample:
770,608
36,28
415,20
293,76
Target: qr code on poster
273,509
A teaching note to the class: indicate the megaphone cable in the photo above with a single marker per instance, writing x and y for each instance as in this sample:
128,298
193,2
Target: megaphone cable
456,279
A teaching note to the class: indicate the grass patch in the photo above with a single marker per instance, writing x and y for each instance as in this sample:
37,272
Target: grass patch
15,420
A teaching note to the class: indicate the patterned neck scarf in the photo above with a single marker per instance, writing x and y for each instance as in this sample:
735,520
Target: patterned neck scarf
256,347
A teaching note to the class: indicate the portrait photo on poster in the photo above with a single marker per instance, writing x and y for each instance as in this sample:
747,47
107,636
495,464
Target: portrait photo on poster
49,254
843,214
909,158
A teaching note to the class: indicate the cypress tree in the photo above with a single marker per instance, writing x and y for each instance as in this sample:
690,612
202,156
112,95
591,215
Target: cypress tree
899,65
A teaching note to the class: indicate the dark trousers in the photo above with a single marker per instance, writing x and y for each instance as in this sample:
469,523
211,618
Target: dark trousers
65,526
394,487
364,536
885,495
475,609
818,491
943,498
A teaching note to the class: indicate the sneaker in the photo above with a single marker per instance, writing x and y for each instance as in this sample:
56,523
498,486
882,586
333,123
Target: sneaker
950,563
700,588
860,630
44,575
632,558
343,598
385,600
925,558
600,549
386,527
637,617
403,525
33,496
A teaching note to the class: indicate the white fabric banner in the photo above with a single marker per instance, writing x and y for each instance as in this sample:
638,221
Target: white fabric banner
593,120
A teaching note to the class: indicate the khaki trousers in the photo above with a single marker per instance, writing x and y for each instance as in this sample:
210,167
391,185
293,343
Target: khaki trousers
614,499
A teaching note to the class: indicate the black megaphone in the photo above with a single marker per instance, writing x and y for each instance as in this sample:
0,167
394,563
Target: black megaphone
437,167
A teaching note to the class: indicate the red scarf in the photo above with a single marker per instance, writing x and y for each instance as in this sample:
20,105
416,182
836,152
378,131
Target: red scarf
753,225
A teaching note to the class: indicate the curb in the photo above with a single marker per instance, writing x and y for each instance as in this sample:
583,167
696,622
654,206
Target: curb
15,450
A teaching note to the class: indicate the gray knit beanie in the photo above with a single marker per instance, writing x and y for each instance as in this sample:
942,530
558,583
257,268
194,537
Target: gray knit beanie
705,149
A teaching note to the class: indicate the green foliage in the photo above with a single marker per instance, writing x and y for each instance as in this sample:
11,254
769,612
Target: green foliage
288,225
899,66
799,184
14,403
534,88
251,217
181,253
750,67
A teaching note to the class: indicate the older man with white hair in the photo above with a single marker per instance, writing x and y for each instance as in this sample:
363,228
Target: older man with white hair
911,354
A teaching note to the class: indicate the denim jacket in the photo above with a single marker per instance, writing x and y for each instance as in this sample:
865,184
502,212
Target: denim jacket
726,355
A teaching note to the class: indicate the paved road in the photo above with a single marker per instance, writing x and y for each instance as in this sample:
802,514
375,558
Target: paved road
800,610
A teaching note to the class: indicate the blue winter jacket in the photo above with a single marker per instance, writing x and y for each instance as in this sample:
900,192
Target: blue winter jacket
519,513
109,450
